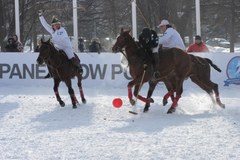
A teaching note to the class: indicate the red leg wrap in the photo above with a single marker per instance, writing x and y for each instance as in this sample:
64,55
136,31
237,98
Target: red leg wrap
74,98
170,93
81,92
142,98
175,101
130,93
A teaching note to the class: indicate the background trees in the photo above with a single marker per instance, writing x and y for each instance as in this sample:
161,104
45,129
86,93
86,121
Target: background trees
104,18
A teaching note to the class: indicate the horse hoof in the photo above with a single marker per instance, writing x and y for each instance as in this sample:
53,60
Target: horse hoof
84,101
145,110
222,106
62,104
150,100
132,102
165,101
74,106
171,110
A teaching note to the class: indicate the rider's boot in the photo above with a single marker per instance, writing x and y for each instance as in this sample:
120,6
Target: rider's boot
49,75
76,63
156,74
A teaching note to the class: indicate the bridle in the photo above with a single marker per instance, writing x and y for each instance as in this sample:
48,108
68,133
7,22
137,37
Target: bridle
120,49
124,53
123,46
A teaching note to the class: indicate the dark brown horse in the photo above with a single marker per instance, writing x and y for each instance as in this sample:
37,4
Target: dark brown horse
173,63
197,68
62,70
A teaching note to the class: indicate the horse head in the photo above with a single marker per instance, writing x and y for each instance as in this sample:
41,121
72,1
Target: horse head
122,40
44,51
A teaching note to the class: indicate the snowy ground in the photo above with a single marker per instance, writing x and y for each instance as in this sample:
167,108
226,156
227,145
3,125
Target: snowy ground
34,126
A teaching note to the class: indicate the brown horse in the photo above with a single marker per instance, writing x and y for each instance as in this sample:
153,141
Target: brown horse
198,71
173,63
62,70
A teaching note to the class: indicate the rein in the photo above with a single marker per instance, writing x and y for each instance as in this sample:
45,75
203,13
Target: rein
123,54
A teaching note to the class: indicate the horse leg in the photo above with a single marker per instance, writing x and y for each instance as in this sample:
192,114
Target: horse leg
209,87
141,98
80,89
200,82
215,89
71,93
55,89
179,90
170,93
171,87
149,95
130,95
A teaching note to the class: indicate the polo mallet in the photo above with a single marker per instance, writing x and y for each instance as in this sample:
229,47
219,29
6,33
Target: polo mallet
140,86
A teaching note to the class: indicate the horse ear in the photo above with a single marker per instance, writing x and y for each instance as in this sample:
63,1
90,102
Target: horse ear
48,40
122,30
129,32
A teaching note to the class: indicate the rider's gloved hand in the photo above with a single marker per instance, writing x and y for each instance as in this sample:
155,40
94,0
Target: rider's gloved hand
40,12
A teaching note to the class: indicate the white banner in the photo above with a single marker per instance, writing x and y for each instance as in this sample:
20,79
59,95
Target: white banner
101,69
229,63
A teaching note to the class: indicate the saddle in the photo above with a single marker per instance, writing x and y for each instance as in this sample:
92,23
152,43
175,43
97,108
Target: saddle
62,52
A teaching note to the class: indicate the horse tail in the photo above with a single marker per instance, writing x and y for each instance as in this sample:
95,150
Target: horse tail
76,56
213,65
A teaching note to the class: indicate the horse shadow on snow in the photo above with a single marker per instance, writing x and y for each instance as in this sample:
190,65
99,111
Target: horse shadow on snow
62,118
157,120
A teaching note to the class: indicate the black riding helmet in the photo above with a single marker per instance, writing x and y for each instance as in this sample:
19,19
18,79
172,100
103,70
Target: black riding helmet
148,38
145,36
146,33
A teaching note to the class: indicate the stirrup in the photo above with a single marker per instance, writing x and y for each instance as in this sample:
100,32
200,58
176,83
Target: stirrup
48,76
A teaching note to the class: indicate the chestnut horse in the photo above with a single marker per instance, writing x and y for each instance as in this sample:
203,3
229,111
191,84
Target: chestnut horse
62,70
197,68
173,63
